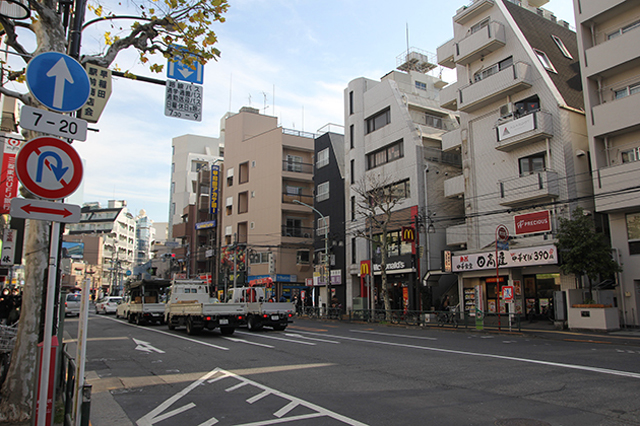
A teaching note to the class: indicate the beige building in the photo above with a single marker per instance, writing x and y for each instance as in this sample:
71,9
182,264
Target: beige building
267,168
608,35
523,142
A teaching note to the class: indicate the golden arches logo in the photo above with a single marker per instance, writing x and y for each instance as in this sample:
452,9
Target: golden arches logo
365,267
408,234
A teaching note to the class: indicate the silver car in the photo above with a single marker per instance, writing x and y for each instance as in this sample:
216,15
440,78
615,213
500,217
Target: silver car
108,305
72,304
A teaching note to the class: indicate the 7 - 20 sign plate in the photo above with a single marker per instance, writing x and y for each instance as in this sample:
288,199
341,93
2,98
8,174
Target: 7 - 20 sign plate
183,100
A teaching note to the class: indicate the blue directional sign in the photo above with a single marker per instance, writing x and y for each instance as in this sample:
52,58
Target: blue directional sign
178,70
58,81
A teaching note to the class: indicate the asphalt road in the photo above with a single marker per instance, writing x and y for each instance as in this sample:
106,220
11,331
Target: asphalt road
334,373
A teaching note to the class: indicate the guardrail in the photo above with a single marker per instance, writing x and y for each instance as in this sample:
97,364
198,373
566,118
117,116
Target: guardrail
67,384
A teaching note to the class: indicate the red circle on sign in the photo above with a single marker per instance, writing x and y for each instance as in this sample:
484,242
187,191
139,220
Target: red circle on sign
503,233
38,147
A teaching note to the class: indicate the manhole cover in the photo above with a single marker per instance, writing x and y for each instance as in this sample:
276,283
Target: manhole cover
521,422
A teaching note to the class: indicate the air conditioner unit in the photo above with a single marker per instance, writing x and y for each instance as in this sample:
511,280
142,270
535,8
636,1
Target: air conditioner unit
505,110
306,235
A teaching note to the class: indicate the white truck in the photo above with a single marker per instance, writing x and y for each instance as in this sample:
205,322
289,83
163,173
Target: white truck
260,309
190,305
143,302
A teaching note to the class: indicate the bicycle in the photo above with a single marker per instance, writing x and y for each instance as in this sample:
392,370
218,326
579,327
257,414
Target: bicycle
447,317
8,335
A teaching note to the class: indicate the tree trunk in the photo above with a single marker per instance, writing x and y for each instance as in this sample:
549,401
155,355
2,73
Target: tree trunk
383,275
18,392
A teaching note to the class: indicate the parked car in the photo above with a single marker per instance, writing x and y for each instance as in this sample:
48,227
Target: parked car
72,304
108,305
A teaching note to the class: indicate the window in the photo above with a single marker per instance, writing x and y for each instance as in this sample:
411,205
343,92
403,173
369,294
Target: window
351,102
477,27
322,191
194,186
173,208
351,135
173,167
545,61
197,165
323,158
527,106
243,202
294,163
230,177
293,190
379,120
433,121
395,245
353,250
173,187
626,91
260,257
561,46
243,171
293,227
229,206
421,86
532,164
631,155
396,191
320,228
493,69
303,257
353,171
353,208
633,232
623,30
385,155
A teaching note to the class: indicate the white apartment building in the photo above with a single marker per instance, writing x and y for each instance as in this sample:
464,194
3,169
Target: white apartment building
190,154
145,236
393,131
523,141
608,35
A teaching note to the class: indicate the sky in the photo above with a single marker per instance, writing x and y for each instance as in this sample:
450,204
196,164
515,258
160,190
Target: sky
289,58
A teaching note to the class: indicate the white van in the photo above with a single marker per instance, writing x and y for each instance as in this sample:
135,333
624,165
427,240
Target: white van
72,304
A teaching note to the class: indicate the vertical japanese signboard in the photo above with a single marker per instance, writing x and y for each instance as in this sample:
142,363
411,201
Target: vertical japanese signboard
8,247
213,199
100,85
8,179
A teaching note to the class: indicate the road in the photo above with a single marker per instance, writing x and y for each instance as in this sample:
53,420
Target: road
338,373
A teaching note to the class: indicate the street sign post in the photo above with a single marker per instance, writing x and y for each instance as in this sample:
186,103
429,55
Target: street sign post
177,69
45,210
49,168
58,81
502,236
53,123
183,100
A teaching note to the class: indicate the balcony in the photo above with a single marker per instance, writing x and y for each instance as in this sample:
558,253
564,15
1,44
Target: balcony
180,230
609,184
612,53
297,232
591,9
472,11
533,127
495,87
290,199
454,187
445,54
523,190
449,97
452,140
476,45
616,115
457,235
297,171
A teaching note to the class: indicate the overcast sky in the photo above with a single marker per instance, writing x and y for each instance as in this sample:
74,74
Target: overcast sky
294,57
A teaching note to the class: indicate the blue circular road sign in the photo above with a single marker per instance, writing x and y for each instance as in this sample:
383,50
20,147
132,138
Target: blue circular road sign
58,81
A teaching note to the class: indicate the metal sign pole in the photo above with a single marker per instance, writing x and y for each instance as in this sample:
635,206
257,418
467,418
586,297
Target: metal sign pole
48,324
81,350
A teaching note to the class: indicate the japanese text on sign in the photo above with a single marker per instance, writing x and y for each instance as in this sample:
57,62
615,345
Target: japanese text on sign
183,100
213,208
8,181
545,255
100,84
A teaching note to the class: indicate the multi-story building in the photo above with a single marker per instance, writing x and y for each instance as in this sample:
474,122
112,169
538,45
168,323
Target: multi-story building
118,228
145,236
267,168
190,154
610,69
523,141
329,207
393,131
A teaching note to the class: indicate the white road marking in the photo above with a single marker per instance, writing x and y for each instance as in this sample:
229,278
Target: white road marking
394,335
503,357
311,338
146,347
218,374
233,339
277,338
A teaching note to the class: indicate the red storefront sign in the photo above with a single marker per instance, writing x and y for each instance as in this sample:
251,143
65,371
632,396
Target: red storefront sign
8,178
530,223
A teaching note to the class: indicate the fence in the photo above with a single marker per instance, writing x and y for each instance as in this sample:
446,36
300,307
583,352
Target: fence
67,385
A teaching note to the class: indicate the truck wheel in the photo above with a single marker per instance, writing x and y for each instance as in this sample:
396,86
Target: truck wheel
170,324
227,331
253,324
191,330
130,318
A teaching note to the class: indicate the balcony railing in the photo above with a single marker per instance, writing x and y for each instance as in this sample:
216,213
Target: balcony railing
616,115
514,132
297,232
490,89
449,97
536,187
290,198
454,187
445,54
480,43
452,140
289,166
472,10
610,185
457,235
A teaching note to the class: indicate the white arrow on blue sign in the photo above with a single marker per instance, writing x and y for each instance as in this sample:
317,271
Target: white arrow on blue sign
178,70
58,81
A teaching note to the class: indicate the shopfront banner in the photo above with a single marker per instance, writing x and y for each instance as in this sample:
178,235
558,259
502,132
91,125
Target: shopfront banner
516,258
530,223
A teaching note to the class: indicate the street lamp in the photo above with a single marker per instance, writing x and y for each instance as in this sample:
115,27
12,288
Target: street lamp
326,247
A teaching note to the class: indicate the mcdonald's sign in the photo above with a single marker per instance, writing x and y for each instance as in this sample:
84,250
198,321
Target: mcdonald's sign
365,267
408,234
